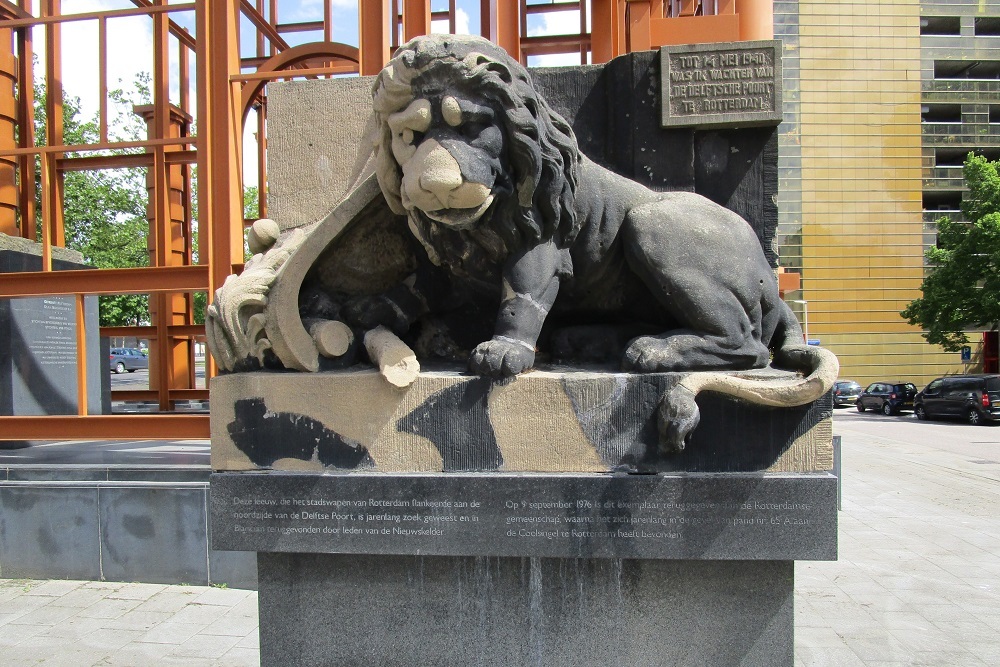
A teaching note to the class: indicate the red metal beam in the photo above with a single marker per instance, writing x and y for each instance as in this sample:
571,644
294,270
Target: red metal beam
139,280
373,24
262,25
106,427
153,395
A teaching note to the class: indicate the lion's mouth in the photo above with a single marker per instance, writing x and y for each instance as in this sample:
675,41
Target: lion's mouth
460,218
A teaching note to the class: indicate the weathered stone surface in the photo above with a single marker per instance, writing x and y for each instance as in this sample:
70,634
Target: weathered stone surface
543,421
438,611
29,247
736,84
316,145
49,531
737,516
167,545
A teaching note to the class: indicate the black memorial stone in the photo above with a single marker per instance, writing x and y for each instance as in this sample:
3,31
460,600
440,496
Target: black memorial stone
38,356
683,516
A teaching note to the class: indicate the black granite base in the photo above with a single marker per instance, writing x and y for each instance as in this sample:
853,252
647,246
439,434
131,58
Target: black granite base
734,516
346,610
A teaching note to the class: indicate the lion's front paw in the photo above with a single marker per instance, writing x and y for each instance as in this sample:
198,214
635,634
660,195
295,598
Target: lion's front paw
501,358
678,417
369,312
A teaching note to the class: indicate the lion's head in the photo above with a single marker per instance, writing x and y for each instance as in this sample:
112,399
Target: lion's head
464,137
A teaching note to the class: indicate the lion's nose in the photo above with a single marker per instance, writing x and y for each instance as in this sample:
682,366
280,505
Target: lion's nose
440,173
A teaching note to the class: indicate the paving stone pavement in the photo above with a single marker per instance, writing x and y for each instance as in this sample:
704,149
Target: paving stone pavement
917,583
918,577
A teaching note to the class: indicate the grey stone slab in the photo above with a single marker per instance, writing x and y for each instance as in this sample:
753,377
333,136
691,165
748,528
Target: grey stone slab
154,534
731,516
236,569
721,84
38,349
49,532
164,474
408,610
56,474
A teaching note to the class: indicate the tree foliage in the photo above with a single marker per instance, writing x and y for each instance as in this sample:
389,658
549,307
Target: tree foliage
104,211
962,289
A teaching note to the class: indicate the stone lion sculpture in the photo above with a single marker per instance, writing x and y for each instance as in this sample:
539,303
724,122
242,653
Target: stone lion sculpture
496,191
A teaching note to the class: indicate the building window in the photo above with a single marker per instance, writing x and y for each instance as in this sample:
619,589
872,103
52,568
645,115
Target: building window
950,157
988,26
941,113
995,113
940,25
967,69
955,157
943,200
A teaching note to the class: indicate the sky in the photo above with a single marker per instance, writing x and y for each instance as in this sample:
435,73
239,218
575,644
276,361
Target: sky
130,42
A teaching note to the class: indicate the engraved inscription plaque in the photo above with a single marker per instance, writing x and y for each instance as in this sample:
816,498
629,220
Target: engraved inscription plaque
705,516
721,85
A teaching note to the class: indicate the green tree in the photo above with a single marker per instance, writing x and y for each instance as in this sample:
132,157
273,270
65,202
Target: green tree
104,210
962,288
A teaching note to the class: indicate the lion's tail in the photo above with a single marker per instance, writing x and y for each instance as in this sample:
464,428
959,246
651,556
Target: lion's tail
818,366
679,414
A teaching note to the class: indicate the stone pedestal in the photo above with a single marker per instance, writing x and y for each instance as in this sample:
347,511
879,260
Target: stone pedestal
533,522
320,609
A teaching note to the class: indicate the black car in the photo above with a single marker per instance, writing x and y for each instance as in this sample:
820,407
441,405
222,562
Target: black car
887,397
845,392
974,398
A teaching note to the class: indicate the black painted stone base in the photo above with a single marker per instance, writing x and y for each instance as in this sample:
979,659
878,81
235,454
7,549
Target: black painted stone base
345,610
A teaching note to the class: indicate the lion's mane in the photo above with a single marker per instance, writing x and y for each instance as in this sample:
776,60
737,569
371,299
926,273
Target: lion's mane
541,147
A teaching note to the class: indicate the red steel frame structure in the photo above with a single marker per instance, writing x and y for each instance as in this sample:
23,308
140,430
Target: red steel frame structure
230,80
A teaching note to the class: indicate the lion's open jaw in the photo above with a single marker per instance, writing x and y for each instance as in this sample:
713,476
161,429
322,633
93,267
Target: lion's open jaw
460,218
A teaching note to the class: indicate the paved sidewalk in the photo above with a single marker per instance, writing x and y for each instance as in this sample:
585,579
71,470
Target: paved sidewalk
918,578
81,623
917,583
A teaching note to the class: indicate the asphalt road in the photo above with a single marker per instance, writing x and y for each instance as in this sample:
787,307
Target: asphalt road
976,444
956,437
139,379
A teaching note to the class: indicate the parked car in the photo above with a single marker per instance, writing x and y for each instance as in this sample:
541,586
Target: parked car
127,359
845,392
889,398
974,398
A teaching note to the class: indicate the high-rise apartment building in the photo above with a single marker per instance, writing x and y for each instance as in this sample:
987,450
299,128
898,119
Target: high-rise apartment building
883,100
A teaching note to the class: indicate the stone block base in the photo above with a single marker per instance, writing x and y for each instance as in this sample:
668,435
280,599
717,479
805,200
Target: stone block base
346,610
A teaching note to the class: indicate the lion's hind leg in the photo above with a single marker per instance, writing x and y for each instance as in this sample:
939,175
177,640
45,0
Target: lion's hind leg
711,289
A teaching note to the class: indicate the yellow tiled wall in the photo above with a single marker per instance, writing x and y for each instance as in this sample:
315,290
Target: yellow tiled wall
856,201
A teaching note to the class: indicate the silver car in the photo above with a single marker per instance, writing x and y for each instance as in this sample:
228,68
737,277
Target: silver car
129,359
